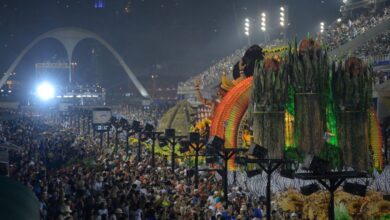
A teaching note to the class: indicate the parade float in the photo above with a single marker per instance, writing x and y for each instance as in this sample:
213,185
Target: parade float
299,102
296,102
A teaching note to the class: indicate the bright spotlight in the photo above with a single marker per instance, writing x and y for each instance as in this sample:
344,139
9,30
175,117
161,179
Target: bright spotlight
45,91
282,24
282,8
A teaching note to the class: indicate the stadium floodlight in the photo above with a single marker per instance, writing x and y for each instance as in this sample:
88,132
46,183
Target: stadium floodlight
338,20
282,17
247,25
45,91
322,27
263,21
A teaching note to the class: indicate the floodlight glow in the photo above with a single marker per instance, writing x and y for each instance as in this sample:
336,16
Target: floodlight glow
281,13
345,1
322,23
246,19
282,8
282,24
45,91
339,20
247,28
263,14
263,28
246,24
246,33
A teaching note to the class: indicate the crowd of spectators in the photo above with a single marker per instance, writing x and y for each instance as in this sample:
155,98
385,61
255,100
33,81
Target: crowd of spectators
347,29
52,164
377,48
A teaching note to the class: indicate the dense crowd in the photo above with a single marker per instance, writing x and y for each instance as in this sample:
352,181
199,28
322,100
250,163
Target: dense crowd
375,48
348,28
75,179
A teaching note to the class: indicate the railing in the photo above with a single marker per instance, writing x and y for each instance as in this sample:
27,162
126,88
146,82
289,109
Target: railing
377,60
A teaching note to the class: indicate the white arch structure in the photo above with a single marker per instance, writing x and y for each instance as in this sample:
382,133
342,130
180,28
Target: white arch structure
69,37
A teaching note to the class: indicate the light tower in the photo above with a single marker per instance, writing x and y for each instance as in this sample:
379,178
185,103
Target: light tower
322,27
283,20
263,26
247,30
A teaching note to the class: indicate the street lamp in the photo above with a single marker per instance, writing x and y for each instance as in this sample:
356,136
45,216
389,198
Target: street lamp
133,129
215,147
151,133
170,138
267,165
196,144
115,122
119,128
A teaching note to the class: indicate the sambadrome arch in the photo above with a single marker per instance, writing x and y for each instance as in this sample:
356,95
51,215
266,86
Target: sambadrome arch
70,37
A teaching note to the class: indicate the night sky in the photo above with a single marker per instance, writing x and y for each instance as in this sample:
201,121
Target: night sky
175,39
